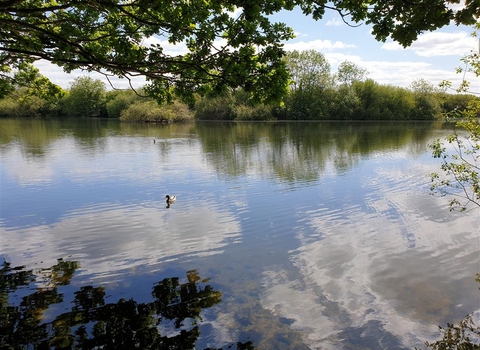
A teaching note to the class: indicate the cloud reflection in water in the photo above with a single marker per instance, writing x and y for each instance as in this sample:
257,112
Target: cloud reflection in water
380,270
113,239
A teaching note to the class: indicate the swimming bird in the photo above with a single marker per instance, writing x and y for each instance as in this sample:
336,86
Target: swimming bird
170,199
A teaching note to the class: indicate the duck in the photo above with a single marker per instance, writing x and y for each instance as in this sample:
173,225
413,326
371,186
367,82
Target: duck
170,199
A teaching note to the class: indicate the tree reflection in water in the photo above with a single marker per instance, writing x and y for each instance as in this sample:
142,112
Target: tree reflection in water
92,323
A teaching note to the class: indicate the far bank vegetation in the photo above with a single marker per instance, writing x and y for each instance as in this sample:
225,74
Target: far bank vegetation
315,94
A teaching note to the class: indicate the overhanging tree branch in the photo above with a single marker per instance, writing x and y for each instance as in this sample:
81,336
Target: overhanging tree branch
106,36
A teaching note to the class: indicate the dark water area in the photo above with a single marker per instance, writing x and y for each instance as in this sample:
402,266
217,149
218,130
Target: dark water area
317,235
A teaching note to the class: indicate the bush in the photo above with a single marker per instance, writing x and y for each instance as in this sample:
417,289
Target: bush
31,106
450,102
343,104
386,102
20,104
9,107
150,111
118,101
86,98
260,112
216,108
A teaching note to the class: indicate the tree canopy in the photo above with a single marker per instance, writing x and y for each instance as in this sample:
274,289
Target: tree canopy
85,89
349,72
308,70
228,43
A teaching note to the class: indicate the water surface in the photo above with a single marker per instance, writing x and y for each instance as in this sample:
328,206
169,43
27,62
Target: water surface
283,235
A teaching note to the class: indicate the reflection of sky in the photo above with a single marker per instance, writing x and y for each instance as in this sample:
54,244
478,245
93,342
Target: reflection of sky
391,256
41,190
366,243
111,241
107,208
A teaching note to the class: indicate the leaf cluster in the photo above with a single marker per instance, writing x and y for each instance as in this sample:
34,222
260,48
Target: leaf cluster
460,178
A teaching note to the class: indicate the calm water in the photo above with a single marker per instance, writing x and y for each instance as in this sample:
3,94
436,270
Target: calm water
283,236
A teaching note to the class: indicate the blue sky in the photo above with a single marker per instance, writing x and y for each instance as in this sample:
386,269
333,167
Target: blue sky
433,57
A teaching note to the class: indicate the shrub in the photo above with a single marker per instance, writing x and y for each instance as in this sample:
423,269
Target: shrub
9,107
31,106
343,104
260,112
216,108
150,111
86,98
24,105
118,101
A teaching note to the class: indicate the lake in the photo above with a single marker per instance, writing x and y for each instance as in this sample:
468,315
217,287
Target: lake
317,235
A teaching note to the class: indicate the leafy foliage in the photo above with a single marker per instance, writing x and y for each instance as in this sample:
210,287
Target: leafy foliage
150,111
216,108
426,103
86,98
349,72
119,100
27,93
128,38
310,77
258,112
221,48
360,100
460,163
29,77
309,70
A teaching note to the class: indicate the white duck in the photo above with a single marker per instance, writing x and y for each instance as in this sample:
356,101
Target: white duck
170,199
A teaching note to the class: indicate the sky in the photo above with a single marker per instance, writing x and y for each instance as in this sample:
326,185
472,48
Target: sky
433,57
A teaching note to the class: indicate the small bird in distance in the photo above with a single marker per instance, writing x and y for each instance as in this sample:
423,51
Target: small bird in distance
170,200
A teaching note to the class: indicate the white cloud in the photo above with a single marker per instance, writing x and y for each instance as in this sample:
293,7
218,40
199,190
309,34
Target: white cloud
33,171
168,48
397,73
334,58
457,7
435,44
318,45
334,22
298,34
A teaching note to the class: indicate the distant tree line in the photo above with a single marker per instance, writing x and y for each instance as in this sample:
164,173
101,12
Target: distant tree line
32,95
314,94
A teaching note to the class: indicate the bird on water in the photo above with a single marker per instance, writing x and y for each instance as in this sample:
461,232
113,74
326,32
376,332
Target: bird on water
170,199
